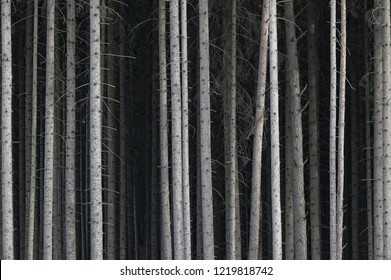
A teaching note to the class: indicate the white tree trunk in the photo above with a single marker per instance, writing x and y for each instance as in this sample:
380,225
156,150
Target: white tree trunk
205,139
49,136
70,152
341,133
176,126
275,135
378,138
185,135
95,134
31,153
6,133
333,130
256,201
166,247
387,128
299,215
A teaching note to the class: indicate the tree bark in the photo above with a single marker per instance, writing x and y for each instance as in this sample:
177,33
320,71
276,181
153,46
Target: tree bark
205,147
313,81
95,134
378,138
256,198
70,150
185,135
333,131
166,249
49,135
387,128
275,135
6,133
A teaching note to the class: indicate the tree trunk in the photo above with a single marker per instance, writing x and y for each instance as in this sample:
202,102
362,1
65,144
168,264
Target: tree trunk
185,135
341,133
230,142
176,122
333,131
70,172
49,135
95,134
205,147
378,137
387,127
313,80
299,216
275,135
31,132
166,249
6,133
256,201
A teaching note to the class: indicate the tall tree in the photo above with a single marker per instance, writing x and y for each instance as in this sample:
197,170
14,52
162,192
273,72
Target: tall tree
185,134
176,122
31,134
70,150
205,146
49,135
378,137
6,133
166,249
256,201
387,127
275,135
293,87
341,133
95,134
313,81
333,130
230,141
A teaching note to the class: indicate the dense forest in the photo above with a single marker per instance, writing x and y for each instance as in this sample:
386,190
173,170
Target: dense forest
195,129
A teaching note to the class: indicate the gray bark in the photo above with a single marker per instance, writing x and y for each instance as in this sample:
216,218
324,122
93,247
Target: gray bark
333,131
49,136
95,134
185,135
70,150
378,138
256,201
205,147
387,128
313,80
6,133
166,249
275,135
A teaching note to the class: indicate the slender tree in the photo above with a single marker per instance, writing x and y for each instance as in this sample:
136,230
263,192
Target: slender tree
256,201
387,127
176,122
333,130
49,135
313,81
70,150
378,137
275,135
95,134
31,133
293,81
341,133
230,141
6,133
166,249
205,146
185,134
